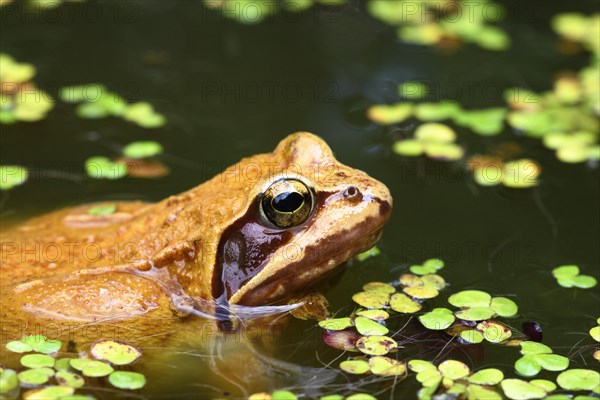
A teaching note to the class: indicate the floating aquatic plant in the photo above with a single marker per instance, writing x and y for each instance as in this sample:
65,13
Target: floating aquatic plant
516,174
372,252
432,139
102,209
568,276
455,378
517,389
537,356
96,101
579,379
43,368
20,99
104,168
477,305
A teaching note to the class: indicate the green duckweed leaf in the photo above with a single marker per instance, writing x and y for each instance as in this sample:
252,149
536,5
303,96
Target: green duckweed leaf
504,307
437,111
401,303
375,315
62,364
493,331
565,271
521,173
434,280
355,366
410,280
488,376
408,148
35,376
595,333
529,347
367,327
421,270
332,397
527,366
8,381
379,287
385,114
434,263
104,168
548,386
18,346
420,365
453,369
471,336
37,361
361,396
372,252
421,292
115,352
376,345
91,111
66,378
127,380
283,395
551,362
578,379
475,314
11,176
47,346
49,393
584,281
371,299
517,389
437,133
143,114
430,378
437,319
142,149
444,151
412,90
476,392
336,324
385,366
91,368
470,298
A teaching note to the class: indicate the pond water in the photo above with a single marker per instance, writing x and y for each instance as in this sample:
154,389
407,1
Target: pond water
229,90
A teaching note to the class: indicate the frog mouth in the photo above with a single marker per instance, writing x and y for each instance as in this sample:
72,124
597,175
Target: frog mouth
317,260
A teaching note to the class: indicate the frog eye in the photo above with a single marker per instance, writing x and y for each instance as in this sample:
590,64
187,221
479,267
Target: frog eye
287,203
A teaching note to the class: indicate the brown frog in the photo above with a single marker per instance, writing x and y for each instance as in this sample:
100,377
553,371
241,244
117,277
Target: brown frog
263,230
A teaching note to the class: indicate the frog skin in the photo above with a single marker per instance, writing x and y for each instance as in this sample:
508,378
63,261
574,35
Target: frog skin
263,230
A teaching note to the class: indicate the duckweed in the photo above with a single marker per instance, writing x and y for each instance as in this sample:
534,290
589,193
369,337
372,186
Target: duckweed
537,356
433,139
376,345
127,380
37,361
15,106
385,366
91,368
11,176
568,276
35,376
104,168
579,379
116,353
518,389
356,367
367,327
437,319
8,380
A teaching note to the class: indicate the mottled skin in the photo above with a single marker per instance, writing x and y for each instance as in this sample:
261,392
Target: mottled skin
144,267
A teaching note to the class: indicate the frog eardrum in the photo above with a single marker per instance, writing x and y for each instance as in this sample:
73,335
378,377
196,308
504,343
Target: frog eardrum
287,203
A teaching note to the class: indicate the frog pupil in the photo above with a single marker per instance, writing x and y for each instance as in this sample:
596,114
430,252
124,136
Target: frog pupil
288,202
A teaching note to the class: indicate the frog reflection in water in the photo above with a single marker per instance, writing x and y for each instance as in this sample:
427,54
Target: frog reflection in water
265,229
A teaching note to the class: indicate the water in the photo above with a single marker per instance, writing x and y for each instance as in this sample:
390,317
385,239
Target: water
230,90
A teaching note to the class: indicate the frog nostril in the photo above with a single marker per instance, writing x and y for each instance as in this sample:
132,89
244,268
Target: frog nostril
351,192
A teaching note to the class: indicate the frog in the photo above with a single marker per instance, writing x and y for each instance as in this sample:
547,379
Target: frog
265,229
